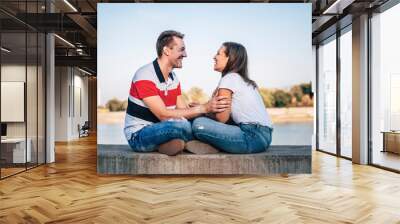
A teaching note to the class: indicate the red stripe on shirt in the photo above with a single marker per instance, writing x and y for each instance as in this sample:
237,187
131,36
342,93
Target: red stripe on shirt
145,88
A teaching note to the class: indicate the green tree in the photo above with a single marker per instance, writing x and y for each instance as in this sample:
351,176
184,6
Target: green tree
124,105
306,88
114,105
282,98
306,101
297,92
268,97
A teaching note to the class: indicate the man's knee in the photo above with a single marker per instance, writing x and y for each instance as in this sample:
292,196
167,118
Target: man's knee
137,145
183,128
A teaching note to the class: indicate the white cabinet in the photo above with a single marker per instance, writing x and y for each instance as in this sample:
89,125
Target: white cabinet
15,149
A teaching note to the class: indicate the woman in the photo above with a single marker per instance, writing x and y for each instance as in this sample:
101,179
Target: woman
253,131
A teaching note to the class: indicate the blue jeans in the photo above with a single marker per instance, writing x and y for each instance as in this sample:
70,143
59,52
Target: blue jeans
242,139
150,137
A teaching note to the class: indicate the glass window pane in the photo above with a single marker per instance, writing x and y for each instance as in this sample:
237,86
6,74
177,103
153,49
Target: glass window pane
13,86
41,98
327,96
31,84
346,94
31,97
385,86
22,88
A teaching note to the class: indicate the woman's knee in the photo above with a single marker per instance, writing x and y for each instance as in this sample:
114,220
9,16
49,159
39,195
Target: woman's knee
258,145
200,124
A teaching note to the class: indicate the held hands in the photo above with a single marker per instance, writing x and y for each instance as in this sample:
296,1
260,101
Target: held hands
217,104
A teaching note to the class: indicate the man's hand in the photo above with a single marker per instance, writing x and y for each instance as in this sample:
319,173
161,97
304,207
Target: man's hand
158,108
218,104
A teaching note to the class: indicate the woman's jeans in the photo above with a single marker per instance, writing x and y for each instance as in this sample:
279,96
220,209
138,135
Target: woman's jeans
242,139
150,137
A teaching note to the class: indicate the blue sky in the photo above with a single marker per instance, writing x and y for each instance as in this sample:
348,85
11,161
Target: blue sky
277,38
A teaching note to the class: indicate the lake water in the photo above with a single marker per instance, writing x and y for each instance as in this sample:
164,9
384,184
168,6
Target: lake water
283,134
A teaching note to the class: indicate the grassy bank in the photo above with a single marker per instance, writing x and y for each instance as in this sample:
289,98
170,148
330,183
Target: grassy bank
278,115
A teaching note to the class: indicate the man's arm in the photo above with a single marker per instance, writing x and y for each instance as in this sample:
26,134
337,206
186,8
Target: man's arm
181,103
158,108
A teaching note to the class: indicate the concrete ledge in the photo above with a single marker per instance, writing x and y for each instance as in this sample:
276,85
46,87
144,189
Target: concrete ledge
120,159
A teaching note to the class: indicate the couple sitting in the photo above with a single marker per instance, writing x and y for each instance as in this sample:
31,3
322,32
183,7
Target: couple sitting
157,117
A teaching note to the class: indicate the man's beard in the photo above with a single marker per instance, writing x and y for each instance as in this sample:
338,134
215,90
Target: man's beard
178,63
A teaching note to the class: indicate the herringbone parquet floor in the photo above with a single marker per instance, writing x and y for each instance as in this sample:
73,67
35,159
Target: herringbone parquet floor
70,191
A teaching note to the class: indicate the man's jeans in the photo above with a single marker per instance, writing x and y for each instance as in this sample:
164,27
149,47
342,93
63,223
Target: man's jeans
245,138
150,137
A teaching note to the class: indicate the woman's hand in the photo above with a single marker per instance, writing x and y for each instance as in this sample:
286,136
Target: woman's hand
217,104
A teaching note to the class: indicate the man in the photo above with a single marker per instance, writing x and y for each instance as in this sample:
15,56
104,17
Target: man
156,114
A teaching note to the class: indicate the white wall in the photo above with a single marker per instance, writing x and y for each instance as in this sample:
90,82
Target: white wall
71,87
80,89
62,82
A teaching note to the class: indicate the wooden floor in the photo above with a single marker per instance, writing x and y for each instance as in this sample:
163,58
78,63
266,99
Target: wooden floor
70,191
5,172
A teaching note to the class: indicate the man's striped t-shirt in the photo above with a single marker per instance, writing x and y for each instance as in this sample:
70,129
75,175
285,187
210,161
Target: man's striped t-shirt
149,81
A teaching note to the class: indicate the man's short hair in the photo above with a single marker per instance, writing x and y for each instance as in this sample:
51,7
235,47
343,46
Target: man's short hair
165,39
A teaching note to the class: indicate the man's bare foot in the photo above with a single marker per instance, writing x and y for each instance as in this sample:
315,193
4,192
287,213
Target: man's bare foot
172,147
198,147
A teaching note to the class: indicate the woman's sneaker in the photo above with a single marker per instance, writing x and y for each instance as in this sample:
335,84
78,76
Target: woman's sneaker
198,147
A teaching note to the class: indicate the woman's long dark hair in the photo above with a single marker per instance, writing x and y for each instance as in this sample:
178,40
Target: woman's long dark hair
237,61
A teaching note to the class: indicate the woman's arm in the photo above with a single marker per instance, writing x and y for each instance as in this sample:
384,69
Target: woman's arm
224,116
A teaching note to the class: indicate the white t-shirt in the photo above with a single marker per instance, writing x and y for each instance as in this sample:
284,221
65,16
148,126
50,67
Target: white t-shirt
247,103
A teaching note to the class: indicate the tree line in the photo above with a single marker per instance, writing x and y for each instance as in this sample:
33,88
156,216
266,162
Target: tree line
297,96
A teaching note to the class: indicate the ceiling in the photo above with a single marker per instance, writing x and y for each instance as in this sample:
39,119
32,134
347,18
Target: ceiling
75,22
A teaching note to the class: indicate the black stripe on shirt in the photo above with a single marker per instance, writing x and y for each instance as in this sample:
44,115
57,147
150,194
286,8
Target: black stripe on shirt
143,113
